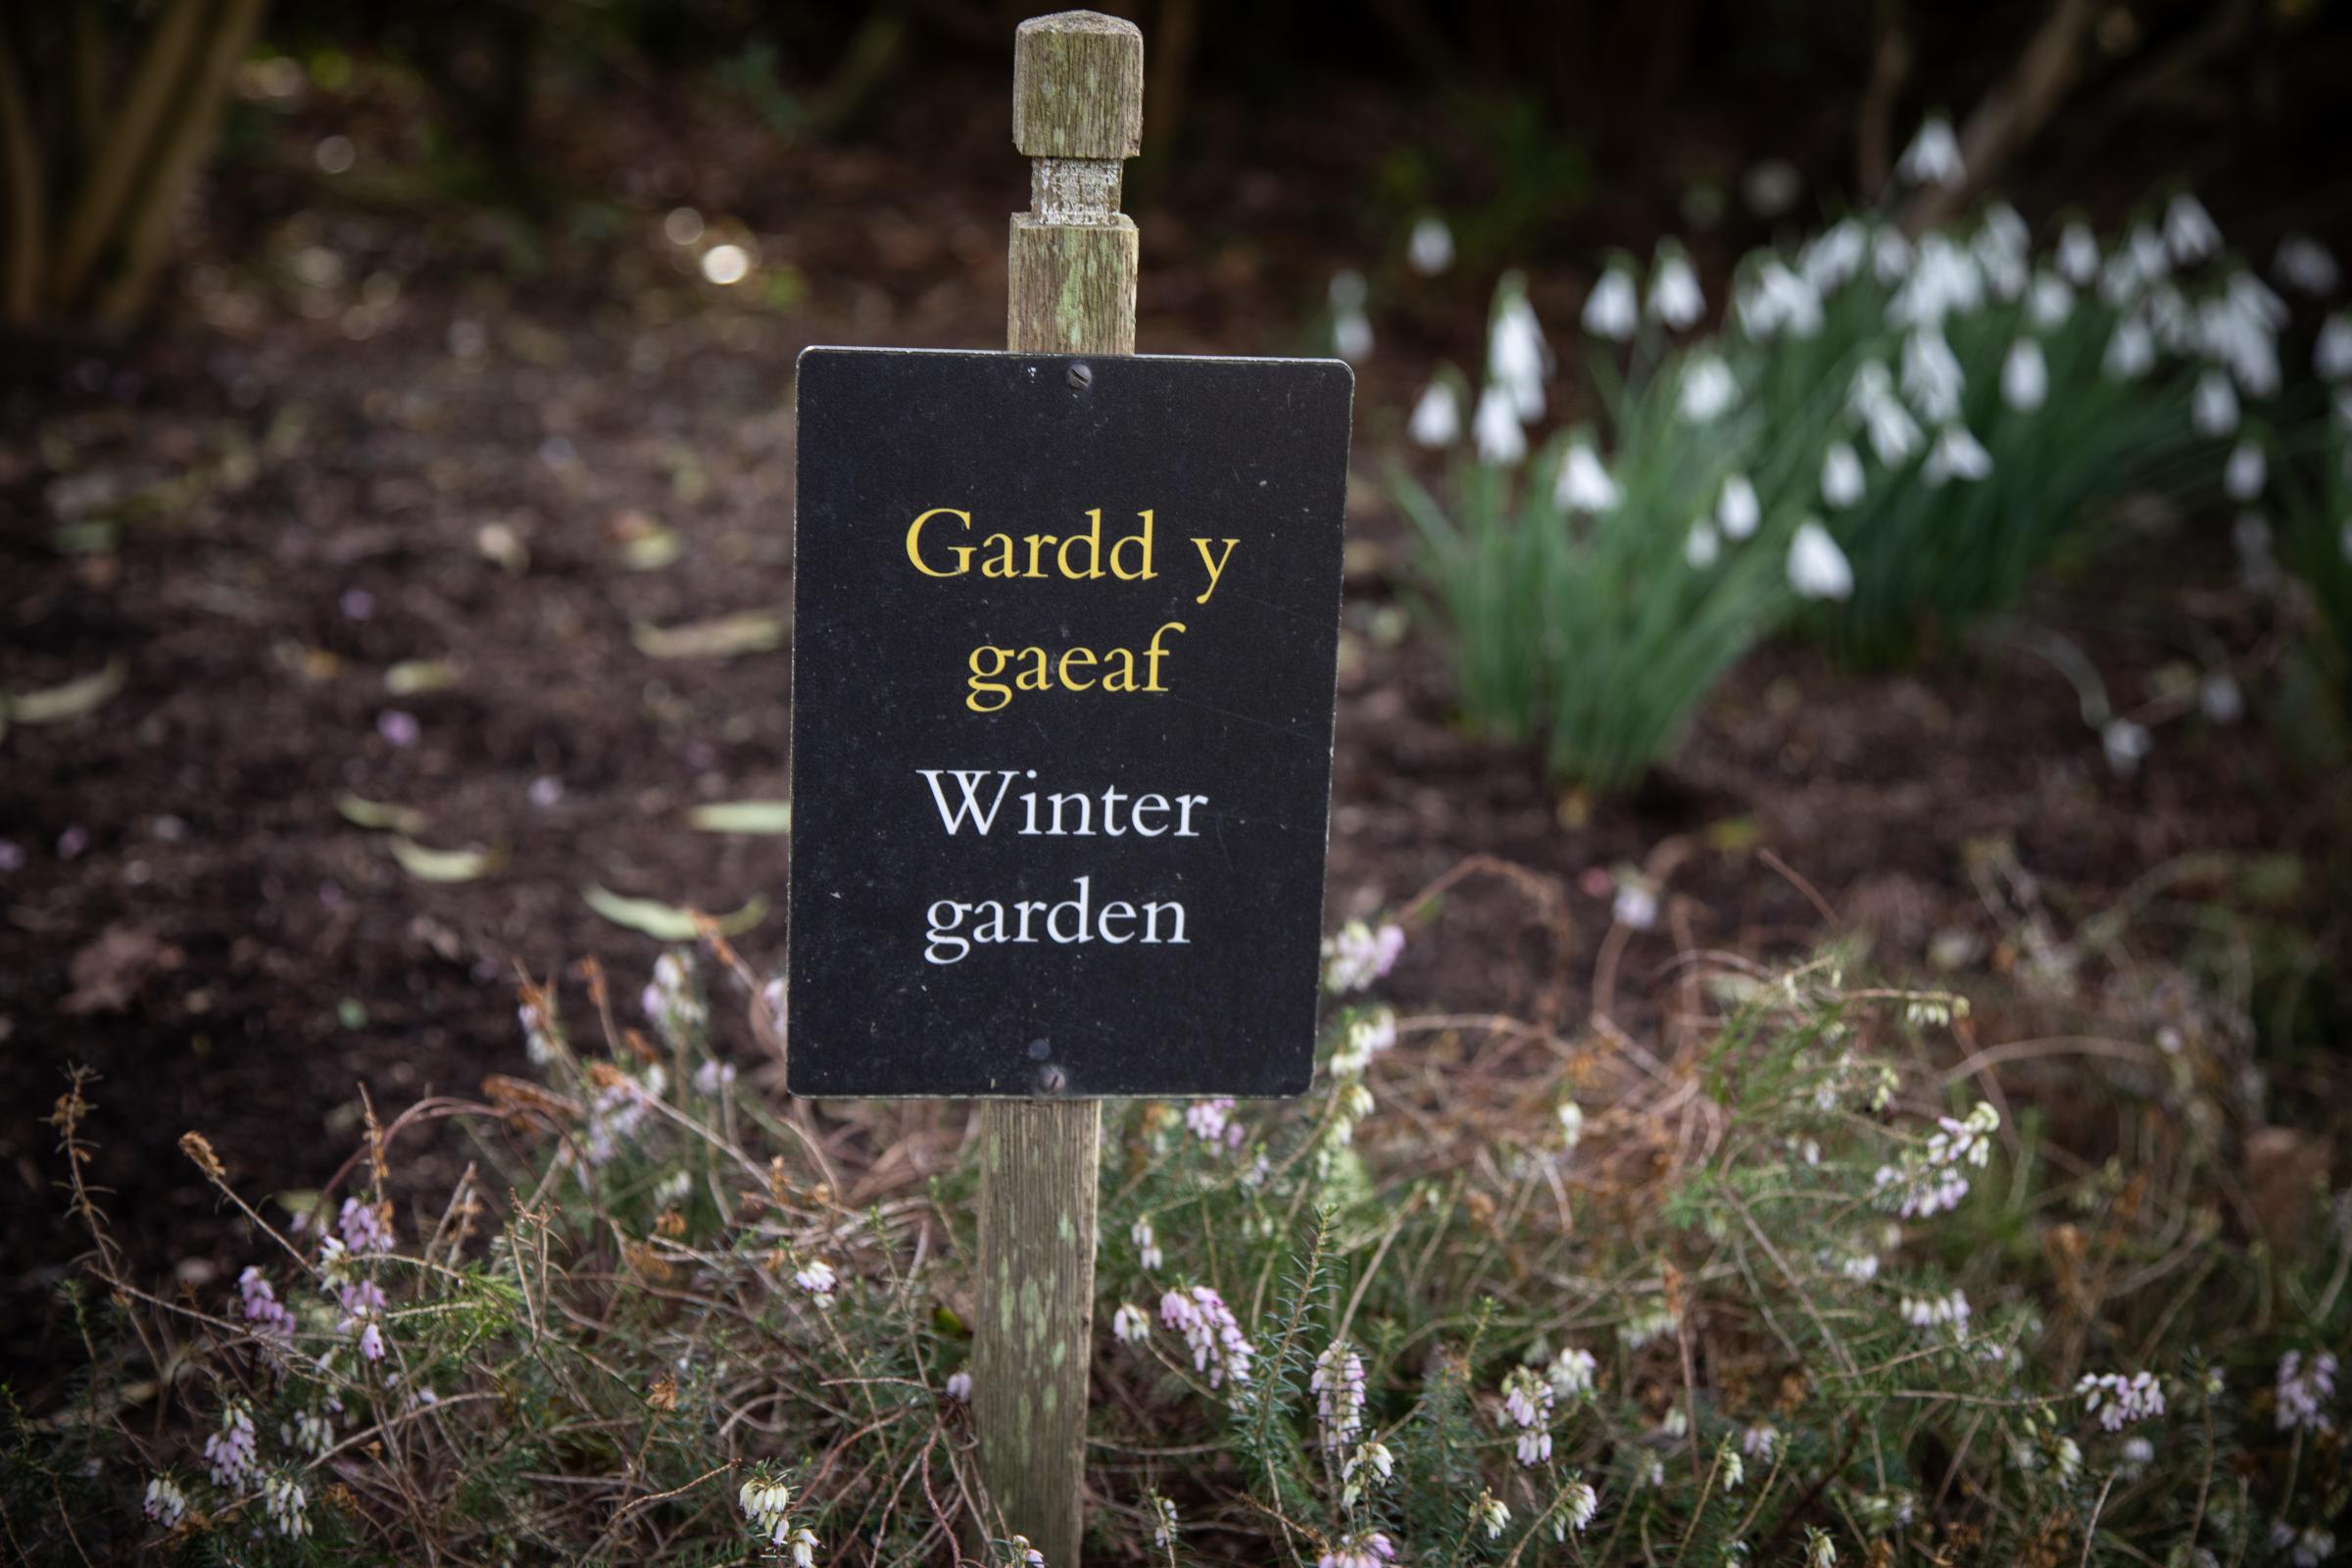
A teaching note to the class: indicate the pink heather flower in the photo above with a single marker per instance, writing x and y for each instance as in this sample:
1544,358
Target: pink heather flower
1757,1440
1219,1348
711,1077
262,1308
372,1341
669,1002
166,1503
2304,1389
358,604
398,726
960,1387
1338,1383
1212,1121
819,1280
1357,956
364,1228
229,1450
2119,1400
1367,1549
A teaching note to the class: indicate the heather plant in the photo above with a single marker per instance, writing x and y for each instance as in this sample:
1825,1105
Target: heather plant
1782,1288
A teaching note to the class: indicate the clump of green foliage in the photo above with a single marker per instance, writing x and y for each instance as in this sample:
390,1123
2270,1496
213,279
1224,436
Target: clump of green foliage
1784,1290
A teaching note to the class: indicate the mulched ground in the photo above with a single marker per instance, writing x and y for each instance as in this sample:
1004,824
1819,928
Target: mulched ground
378,432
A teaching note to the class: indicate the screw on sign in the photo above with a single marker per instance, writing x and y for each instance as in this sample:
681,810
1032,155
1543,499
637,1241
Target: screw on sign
1066,627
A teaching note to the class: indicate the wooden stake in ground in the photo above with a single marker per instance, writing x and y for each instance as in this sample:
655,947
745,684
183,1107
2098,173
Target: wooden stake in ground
1077,113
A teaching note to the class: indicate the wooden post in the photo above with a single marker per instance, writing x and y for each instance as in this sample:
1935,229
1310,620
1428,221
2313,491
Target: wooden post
1077,113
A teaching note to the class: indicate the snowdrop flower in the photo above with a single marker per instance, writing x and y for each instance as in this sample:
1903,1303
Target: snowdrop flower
819,1280
1436,420
2150,261
2303,1387
1817,568
166,1503
1831,259
1840,476
1518,360
1894,435
2131,352
2025,376
2303,263
1777,299
1147,1245
2126,744
2049,302
1933,157
1350,329
2189,230
1494,428
1889,255
2331,355
2246,471
1612,311
2213,407
1573,1371
1708,388
2253,298
2218,698
1674,295
2234,330
1945,280
1218,1346
2077,254
1737,510
1130,1325
1431,248
1932,376
1583,483
1957,455
1338,1383
2117,1400
1701,546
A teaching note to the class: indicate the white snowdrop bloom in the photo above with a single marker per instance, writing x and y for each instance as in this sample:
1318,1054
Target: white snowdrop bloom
1817,568
1894,435
1518,360
1436,420
1494,428
1613,310
2125,744
2258,299
1571,1115
1431,248
2003,248
1347,290
2246,471
2077,254
1832,258
1889,255
1737,510
1584,483
1708,388
2025,376
1674,295
2213,407
1352,337
2131,352
2189,230
1771,187
2331,355
1945,280
2219,698
2178,327
1701,546
2049,302
1934,156
2119,282
1932,376
1840,476
1957,455
2149,258
2304,264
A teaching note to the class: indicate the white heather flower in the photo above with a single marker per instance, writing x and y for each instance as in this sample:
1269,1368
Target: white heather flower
1840,476
1518,360
1967,1142
2126,744
2119,1400
1820,1550
2213,407
1572,1372
1636,905
1817,568
1579,1507
1938,1311
1957,455
1734,1466
1494,428
283,1500
1368,1035
2135,1457
819,1280
1708,388
1571,1117
2303,263
1736,510
1583,483
1436,420
2025,376
1218,1346
711,1078
1357,954
1934,156
1526,1397
1613,308
960,1387
2305,1385
2331,355
1932,376
1758,1440
1674,295
1338,1383
1147,1245
2313,1545
1369,1460
1130,1324
2246,471
1645,1326
2131,352
2077,254
1163,1524
669,1000
2189,230
1701,546
1025,1554
805,1545
1491,1514
1431,248
2049,303
166,1503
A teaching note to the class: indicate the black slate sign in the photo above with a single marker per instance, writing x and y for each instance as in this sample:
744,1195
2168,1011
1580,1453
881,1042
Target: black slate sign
1065,632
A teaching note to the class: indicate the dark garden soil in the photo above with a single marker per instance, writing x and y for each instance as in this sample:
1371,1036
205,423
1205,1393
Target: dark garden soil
381,431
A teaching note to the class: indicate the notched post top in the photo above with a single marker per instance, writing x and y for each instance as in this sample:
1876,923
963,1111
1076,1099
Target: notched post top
1078,86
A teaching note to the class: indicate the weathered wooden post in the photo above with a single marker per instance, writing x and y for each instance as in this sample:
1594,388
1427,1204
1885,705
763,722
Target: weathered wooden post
1077,115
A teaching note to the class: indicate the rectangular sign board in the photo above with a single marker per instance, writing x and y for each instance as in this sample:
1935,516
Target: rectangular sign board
1063,657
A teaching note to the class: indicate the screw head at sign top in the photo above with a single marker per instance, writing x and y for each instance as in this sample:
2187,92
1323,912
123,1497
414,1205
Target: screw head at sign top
1082,376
